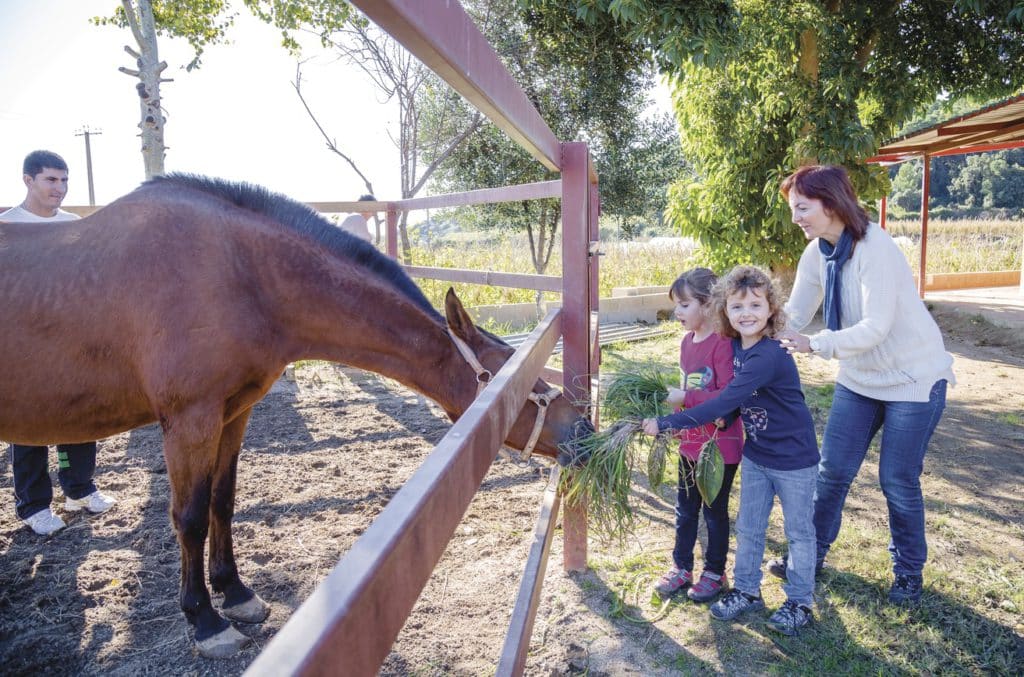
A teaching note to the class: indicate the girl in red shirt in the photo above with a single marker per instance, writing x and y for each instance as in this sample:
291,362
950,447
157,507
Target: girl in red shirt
705,363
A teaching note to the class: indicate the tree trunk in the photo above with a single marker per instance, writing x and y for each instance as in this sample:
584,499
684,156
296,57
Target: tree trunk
143,27
810,63
542,244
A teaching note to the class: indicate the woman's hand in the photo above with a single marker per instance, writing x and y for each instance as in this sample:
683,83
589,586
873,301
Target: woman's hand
794,342
650,426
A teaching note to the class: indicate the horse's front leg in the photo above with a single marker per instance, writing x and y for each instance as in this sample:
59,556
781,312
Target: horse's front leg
190,447
240,602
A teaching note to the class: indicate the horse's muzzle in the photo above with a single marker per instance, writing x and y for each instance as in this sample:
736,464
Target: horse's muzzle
569,453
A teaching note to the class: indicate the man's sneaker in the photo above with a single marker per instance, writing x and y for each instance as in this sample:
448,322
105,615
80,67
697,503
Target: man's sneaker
906,589
708,587
673,580
777,567
789,618
94,502
44,522
734,604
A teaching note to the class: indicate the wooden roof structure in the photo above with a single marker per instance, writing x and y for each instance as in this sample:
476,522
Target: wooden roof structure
997,126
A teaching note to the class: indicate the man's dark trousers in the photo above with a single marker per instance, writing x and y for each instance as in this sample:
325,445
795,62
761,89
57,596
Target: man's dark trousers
32,488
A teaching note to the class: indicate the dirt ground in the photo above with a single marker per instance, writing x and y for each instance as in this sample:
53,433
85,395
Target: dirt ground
325,454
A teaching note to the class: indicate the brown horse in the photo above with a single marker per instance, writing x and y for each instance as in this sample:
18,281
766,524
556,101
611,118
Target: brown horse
182,303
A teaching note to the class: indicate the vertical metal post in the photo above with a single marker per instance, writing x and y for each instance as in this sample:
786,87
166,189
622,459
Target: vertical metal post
926,186
576,304
1022,268
594,260
392,235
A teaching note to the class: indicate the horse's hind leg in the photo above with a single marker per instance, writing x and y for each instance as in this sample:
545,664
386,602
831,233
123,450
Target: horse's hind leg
189,450
240,602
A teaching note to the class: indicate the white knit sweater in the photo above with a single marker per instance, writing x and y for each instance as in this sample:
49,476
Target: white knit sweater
889,347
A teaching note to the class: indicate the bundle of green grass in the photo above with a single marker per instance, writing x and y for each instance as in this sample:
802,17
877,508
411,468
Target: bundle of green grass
614,453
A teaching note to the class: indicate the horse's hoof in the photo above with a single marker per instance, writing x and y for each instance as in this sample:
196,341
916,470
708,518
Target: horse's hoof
255,610
224,644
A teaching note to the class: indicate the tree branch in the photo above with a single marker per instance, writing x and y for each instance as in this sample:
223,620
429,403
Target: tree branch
133,24
472,127
330,142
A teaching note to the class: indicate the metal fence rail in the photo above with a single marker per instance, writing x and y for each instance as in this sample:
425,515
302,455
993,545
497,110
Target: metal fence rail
614,332
348,624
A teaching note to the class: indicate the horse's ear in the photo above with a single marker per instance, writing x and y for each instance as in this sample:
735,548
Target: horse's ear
459,320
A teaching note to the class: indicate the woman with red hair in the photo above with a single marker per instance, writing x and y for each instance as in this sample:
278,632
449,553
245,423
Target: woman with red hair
893,367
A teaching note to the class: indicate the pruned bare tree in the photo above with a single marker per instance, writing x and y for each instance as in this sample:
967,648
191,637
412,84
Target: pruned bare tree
149,67
422,144
332,145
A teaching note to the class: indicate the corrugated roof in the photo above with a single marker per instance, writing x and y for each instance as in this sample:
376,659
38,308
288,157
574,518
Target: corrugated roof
994,127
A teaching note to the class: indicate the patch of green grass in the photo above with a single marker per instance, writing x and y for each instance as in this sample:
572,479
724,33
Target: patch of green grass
820,397
968,623
1012,419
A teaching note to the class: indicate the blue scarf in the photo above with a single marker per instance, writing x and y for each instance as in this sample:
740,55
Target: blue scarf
835,257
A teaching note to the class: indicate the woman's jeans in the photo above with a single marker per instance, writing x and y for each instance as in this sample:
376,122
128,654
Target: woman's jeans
758,488
906,429
716,516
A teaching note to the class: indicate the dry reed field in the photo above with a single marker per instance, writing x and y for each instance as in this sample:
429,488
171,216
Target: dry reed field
953,247
963,246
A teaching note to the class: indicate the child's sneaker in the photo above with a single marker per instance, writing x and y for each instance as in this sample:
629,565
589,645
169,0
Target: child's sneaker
734,604
44,522
673,580
789,618
906,589
708,587
95,502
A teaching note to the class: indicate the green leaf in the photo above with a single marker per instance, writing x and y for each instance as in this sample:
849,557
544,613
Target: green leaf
709,471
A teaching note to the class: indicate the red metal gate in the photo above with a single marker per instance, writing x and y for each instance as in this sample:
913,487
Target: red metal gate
349,623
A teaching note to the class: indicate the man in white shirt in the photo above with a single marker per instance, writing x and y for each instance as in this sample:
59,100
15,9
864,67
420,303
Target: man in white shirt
357,224
46,178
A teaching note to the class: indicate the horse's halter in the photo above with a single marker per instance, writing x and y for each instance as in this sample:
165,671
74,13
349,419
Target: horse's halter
484,376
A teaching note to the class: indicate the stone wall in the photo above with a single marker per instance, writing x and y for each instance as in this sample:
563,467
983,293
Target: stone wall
627,304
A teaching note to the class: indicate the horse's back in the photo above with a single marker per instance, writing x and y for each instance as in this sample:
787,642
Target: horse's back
111,316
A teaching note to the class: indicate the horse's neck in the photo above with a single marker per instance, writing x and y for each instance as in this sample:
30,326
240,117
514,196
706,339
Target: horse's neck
369,325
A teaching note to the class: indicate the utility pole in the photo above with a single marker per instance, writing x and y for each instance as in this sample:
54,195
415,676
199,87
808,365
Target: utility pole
86,132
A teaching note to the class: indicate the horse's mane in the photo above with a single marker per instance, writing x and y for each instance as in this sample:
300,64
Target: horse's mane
305,221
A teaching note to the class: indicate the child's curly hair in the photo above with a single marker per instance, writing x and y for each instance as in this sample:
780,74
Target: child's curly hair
741,279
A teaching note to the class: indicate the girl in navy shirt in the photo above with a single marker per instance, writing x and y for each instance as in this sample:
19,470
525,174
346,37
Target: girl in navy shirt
780,454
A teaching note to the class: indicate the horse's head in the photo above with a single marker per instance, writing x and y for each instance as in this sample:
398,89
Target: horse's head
561,421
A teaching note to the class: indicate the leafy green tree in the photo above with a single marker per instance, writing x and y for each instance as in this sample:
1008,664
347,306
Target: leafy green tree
907,178
906,186
992,180
635,166
762,87
592,90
